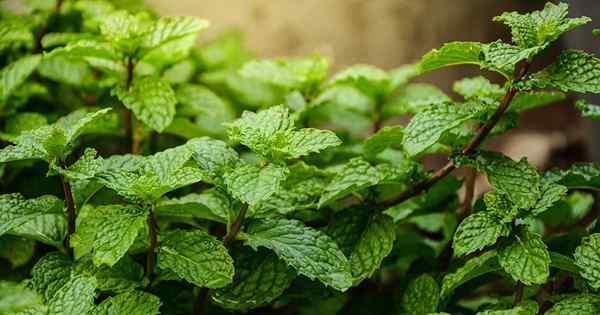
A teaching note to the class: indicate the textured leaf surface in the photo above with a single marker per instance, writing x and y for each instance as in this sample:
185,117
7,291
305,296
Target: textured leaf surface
526,259
260,277
519,181
211,204
16,250
578,176
15,74
582,304
368,79
574,70
473,268
354,175
213,156
50,273
310,252
307,140
15,210
152,100
477,87
196,257
168,28
525,308
421,296
16,299
540,28
477,231
252,184
124,276
111,229
587,258
75,297
384,138
588,110
131,303
551,193
375,244
428,126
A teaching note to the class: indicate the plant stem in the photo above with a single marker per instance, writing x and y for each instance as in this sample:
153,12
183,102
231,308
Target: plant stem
469,191
480,135
127,112
71,213
235,227
200,301
153,242
37,45
518,293
136,138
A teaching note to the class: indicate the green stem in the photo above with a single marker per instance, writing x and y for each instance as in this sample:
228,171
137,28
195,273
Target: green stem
235,227
127,117
37,45
71,211
519,293
152,242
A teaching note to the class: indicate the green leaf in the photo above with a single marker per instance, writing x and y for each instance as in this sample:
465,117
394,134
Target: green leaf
477,231
252,184
477,87
210,205
97,54
208,110
85,168
131,303
355,175
421,296
473,268
412,99
292,74
307,140
13,33
384,138
526,259
578,176
581,304
551,193
500,206
525,308
587,258
519,181
574,70
49,229
215,157
525,100
18,251
125,31
13,75
50,274
112,229
428,126
124,276
540,28
260,277
562,262
197,257
368,79
310,252
454,53
15,210
17,298
75,297
300,190
375,243
151,99
588,110
503,57
169,28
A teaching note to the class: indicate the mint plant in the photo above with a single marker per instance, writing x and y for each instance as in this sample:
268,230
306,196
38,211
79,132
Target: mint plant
143,174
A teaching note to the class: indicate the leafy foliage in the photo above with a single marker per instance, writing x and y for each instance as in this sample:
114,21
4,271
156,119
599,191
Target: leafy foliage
143,174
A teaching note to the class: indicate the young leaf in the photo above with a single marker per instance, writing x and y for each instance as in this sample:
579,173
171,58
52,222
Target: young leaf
169,28
13,75
526,259
421,296
354,175
252,184
587,258
196,257
108,231
15,210
551,193
75,297
310,252
213,156
477,231
473,268
151,99
131,303
428,126
477,87
384,138
453,53
540,28
574,70
260,277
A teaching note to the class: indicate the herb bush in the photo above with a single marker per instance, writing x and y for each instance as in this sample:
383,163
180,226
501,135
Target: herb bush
144,175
